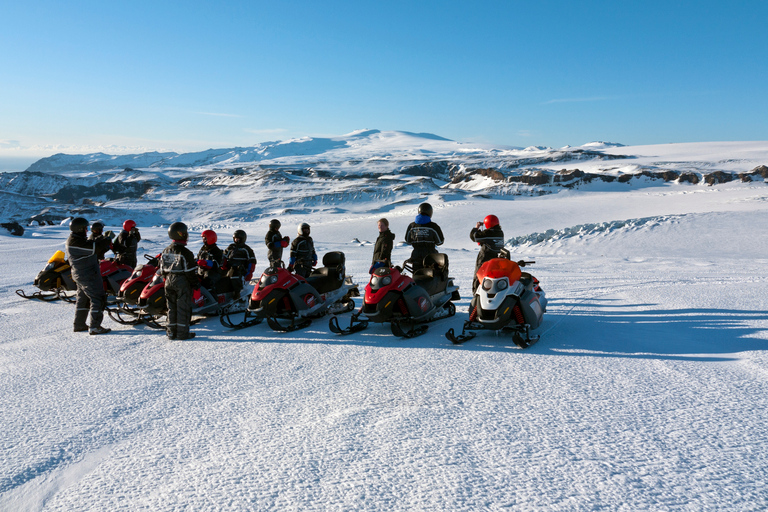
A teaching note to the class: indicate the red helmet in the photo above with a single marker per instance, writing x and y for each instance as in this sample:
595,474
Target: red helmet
209,236
129,225
491,221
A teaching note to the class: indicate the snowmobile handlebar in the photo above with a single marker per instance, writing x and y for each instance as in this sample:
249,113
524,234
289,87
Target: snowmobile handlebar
523,263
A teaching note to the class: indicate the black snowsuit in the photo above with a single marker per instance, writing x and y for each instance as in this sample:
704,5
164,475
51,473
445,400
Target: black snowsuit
83,257
103,246
215,257
274,241
382,251
424,238
303,255
179,268
240,261
491,241
125,246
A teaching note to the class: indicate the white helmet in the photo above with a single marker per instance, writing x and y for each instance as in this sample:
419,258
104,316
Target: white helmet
303,227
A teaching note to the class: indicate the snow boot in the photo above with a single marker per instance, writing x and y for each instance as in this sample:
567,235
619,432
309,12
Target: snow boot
99,330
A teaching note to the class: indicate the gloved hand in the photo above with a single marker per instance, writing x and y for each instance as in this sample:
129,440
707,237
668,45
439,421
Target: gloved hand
314,261
225,264
290,267
284,243
521,263
248,277
109,234
206,264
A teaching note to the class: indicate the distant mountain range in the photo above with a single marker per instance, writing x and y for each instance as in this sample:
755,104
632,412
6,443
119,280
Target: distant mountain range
345,173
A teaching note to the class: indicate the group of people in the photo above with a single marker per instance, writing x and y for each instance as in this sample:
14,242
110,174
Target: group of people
184,273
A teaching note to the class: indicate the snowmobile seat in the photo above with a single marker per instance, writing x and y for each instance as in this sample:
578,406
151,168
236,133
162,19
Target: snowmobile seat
223,286
433,277
331,275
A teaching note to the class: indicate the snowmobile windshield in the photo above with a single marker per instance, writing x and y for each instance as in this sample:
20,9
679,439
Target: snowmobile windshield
500,267
58,257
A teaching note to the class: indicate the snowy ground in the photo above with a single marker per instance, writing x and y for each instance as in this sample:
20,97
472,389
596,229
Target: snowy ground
647,391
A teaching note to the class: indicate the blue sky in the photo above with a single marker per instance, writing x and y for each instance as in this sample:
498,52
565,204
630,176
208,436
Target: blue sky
78,76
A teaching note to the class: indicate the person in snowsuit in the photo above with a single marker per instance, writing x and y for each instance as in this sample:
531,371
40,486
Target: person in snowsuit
490,240
179,268
82,255
126,244
239,260
275,244
424,236
97,233
382,251
209,260
303,255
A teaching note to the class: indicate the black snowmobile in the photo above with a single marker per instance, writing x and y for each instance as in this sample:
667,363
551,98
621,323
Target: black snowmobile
54,281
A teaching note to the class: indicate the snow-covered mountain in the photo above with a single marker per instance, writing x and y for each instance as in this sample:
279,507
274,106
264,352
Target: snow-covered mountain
337,173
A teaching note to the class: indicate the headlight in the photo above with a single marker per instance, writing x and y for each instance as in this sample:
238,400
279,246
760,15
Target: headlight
374,281
487,284
268,280
386,281
502,285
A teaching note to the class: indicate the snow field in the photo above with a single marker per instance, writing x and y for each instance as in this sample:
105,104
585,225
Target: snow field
647,390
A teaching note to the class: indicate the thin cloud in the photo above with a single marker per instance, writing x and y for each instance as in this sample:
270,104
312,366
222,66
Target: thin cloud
267,130
217,114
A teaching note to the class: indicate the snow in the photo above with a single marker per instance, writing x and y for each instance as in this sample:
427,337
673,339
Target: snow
647,391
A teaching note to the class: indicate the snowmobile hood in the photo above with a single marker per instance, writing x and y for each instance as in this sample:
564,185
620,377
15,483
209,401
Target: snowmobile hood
500,267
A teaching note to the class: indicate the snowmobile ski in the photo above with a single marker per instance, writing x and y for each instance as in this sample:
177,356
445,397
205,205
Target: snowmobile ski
413,332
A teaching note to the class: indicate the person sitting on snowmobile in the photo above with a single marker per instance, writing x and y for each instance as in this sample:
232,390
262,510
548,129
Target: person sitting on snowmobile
382,251
239,260
126,244
97,233
303,255
424,235
209,260
275,243
178,266
82,255
490,240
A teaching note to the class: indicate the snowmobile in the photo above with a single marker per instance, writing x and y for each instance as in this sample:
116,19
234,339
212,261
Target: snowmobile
405,302
53,281
127,310
281,295
113,274
228,294
507,300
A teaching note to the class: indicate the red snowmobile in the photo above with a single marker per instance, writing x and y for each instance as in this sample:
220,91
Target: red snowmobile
282,296
405,302
507,300
127,310
53,281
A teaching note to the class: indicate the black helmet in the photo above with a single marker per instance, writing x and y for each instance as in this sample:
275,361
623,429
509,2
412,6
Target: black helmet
241,235
78,225
97,227
274,224
425,209
303,227
178,231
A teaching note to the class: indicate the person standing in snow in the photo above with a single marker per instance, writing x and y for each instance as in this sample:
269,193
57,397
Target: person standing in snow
239,260
490,240
179,268
127,243
382,251
275,244
97,233
82,255
209,260
424,236
303,255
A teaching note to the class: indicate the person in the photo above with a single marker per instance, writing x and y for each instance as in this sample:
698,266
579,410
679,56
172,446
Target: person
424,236
209,260
126,244
382,251
275,244
239,260
490,240
179,268
303,255
97,233
84,262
